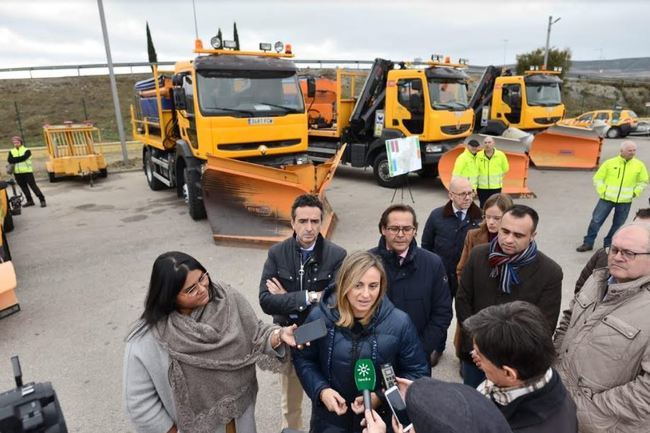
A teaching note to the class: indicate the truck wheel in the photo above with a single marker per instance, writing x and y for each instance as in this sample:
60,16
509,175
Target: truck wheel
149,168
192,194
103,172
613,133
382,174
52,177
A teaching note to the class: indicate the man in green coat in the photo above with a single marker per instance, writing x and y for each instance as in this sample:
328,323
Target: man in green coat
618,181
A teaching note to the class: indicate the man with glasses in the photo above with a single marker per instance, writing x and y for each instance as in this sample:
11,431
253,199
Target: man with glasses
602,340
509,268
618,181
417,280
599,259
445,230
295,274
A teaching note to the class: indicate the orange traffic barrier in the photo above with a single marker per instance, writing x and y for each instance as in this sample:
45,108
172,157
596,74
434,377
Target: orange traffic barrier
515,182
566,147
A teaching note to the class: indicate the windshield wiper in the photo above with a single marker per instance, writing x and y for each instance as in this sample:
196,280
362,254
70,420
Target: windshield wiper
451,106
283,107
233,110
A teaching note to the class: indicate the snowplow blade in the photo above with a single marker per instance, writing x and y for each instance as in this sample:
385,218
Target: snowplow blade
567,147
516,180
252,203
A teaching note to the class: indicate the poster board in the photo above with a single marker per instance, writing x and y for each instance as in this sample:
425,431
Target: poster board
403,155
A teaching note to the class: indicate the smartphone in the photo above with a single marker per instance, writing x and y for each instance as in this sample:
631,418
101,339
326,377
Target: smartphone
397,405
310,331
388,375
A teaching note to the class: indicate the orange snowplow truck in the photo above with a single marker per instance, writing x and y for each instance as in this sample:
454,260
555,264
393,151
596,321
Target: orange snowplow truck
228,131
396,100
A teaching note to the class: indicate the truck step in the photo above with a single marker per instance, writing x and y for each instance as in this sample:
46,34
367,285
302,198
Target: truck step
161,178
160,162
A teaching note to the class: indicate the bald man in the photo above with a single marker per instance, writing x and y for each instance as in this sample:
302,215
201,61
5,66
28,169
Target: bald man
618,181
602,341
445,230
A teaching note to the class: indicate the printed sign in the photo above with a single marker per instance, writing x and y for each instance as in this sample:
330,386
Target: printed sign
403,155
379,122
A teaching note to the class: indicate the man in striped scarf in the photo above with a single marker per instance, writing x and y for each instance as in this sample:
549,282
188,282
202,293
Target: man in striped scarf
510,268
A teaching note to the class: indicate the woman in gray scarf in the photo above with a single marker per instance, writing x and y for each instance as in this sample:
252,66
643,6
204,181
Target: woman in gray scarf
189,364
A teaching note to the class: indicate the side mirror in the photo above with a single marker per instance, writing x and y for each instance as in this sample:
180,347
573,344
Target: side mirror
311,87
179,99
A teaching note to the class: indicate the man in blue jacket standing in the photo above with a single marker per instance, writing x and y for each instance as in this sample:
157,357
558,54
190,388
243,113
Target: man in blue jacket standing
445,230
417,280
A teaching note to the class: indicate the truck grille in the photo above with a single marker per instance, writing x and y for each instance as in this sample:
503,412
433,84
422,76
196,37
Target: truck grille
236,147
546,120
453,130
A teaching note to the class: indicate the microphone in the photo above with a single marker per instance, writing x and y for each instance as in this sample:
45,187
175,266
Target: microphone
364,378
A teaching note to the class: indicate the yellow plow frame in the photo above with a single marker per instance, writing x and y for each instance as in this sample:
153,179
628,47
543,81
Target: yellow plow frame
71,150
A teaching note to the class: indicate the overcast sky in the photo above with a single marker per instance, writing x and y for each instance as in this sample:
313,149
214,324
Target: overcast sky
37,33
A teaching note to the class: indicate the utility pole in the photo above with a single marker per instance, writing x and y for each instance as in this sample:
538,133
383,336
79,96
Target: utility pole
548,39
111,75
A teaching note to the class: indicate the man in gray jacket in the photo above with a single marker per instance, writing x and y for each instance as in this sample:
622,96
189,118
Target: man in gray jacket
602,341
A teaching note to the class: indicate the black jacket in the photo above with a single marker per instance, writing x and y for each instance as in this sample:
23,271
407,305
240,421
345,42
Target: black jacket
284,263
419,288
16,159
390,337
444,235
540,284
550,409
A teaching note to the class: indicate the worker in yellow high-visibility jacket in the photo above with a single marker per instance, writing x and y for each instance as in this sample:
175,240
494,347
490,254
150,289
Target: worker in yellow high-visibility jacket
492,168
21,158
466,163
618,181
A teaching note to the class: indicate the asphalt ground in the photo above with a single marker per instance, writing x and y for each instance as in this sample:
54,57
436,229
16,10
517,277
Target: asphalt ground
83,266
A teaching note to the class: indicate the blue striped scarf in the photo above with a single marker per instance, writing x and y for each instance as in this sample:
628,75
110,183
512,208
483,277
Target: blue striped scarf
505,266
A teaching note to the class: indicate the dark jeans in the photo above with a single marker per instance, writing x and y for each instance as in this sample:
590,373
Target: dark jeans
484,194
601,212
26,181
472,375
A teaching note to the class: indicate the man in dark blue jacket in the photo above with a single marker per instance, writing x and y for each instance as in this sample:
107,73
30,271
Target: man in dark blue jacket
417,281
445,230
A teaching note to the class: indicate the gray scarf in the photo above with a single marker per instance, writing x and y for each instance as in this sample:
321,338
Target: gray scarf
212,357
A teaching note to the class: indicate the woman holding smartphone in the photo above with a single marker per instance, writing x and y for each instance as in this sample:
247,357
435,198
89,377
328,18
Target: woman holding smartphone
189,364
361,323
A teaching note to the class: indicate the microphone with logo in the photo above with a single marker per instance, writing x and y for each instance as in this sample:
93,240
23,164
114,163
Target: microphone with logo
364,378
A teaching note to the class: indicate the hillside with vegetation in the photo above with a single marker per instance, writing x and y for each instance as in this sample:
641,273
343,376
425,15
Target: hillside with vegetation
39,101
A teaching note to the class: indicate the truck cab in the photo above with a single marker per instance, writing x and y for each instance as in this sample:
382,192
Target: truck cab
241,107
529,102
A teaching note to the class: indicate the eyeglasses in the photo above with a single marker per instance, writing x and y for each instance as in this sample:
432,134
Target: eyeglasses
407,230
204,278
626,254
463,194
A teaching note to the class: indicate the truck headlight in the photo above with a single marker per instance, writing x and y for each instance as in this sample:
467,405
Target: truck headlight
433,148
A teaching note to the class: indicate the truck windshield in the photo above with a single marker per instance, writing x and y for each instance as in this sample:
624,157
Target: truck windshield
249,93
543,95
447,95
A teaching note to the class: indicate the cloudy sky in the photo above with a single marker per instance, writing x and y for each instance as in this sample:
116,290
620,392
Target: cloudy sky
57,32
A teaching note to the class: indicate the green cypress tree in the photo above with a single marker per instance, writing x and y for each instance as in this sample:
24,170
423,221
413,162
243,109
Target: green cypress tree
220,36
236,36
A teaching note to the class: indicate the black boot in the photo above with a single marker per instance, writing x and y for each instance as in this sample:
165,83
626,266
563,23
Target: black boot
28,204
43,204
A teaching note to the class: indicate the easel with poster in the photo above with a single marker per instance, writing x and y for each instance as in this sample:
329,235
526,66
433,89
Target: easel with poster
403,158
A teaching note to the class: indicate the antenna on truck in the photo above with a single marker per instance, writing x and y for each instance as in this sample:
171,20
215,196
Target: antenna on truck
196,27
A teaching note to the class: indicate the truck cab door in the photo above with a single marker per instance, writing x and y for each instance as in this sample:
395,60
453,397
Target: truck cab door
407,103
507,100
